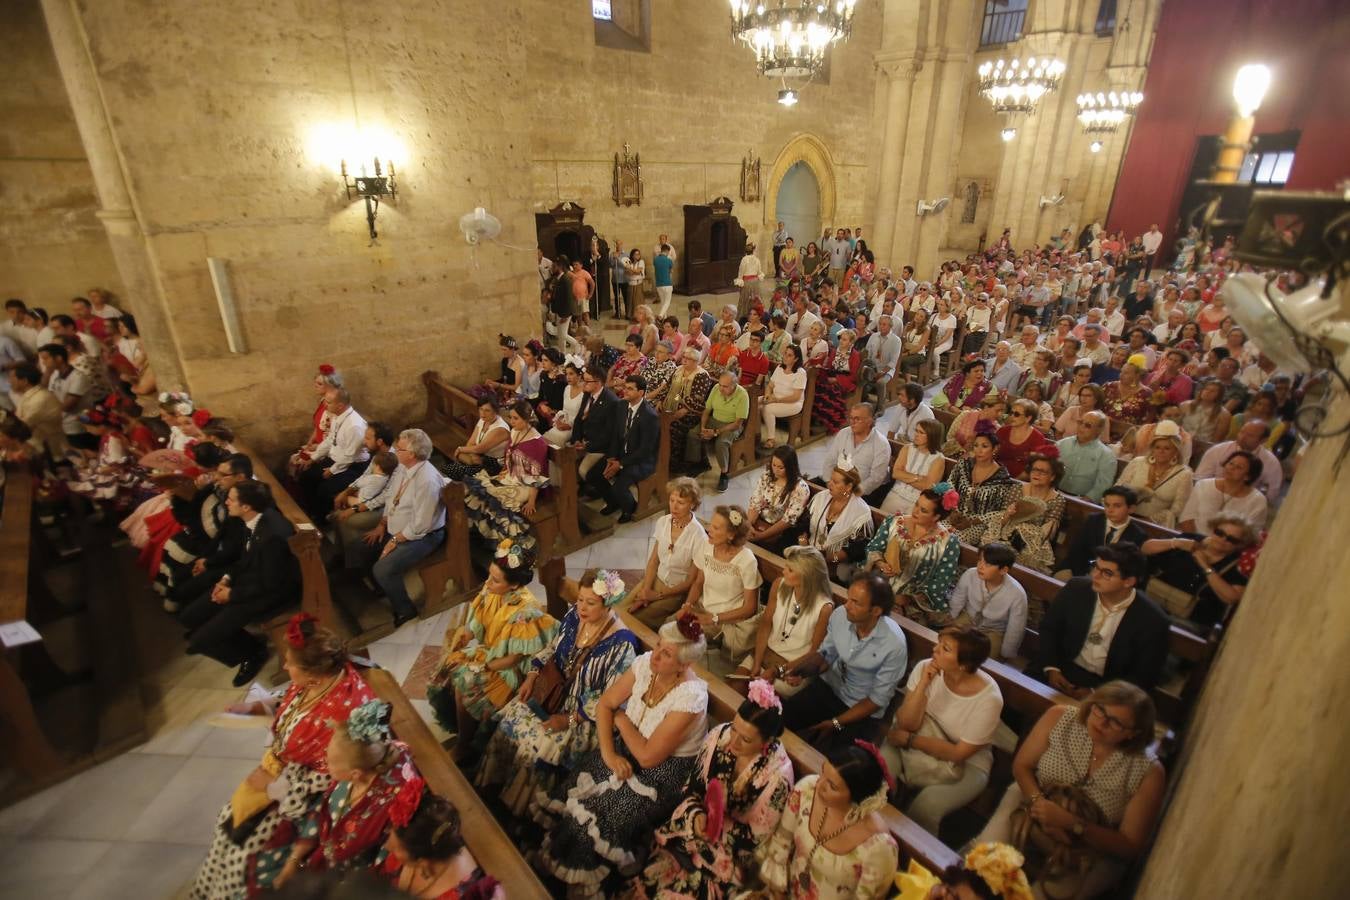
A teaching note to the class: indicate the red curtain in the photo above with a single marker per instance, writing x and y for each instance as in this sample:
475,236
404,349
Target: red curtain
1188,94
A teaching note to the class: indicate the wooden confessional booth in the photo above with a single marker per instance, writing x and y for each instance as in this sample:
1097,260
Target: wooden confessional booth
714,243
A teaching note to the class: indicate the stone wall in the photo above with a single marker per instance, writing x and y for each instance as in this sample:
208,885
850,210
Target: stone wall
52,246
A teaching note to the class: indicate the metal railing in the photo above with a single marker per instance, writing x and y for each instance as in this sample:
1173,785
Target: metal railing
1002,27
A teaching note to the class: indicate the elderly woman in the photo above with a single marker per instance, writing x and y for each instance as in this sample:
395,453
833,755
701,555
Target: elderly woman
646,328
940,740
1162,481
966,389
838,519
565,416
1033,392
670,566
984,486
725,594
293,775
326,379
794,622
550,724
917,467
919,555
732,803
1040,372
486,657
1127,400
831,841
1020,438
1205,416
670,333
427,858
631,363
1097,756
723,351
687,396
777,339
784,394
815,348
500,506
1232,492
1090,397
374,785
1204,575
1031,520
778,501
651,723
836,381
485,447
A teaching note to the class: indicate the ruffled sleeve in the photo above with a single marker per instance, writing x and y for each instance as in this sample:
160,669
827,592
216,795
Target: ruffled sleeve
796,502
764,814
690,697
600,671
878,858
773,871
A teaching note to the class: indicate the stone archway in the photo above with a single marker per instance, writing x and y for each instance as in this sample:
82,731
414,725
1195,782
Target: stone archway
810,150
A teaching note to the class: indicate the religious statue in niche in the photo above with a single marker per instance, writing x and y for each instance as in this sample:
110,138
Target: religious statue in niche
750,178
972,201
628,179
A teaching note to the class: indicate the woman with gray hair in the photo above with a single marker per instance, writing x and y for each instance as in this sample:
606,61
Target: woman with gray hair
651,723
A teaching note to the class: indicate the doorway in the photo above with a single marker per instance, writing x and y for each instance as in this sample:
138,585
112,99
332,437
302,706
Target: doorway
798,204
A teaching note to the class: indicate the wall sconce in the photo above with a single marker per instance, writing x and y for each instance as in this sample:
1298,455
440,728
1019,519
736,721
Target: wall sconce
371,189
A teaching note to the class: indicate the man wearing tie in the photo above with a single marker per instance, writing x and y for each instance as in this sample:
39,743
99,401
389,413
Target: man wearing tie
266,577
590,433
631,455
1111,526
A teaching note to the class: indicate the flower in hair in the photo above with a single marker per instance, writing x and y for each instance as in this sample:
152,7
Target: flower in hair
689,627
296,631
326,369
201,417
511,553
762,694
1000,867
881,762
609,587
369,722
409,795
735,517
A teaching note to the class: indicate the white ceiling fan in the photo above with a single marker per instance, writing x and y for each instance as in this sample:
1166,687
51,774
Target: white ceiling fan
936,206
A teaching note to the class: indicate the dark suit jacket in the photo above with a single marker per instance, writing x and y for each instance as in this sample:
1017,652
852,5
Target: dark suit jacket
595,421
1091,536
1138,650
639,459
267,574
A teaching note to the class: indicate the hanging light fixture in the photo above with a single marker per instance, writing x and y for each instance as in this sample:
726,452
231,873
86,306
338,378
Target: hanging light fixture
787,97
790,37
1016,86
1095,146
1008,134
1104,113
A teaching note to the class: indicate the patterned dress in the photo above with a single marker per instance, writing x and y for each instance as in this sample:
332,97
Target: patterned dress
837,379
498,625
1027,534
494,502
926,568
523,756
658,375
298,754
797,866
596,823
688,864
1135,409
687,395
993,495
347,835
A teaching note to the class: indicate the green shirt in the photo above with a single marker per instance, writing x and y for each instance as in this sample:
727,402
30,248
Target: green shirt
728,409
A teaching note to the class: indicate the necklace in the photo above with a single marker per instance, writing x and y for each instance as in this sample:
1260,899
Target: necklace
816,836
651,700
295,710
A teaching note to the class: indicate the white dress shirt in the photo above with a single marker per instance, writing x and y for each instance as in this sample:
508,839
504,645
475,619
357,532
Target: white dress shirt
344,444
74,383
1104,622
415,508
908,422
871,458
372,488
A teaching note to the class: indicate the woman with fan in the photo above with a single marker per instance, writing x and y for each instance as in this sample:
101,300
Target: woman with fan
550,724
732,803
919,555
374,785
293,775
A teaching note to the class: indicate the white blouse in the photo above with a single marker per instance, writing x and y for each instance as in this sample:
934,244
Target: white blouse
785,384
481,430
689,696
571,407
674,560
725,583
794,624
947,331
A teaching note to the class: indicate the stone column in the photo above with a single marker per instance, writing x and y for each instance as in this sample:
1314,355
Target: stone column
118,212
898,86
949,82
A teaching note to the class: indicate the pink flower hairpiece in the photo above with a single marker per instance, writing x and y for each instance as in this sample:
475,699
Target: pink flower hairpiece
762,694
876,754
951,499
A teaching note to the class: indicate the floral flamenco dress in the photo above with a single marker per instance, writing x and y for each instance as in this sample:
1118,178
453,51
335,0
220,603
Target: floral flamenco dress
498,625
742,813
495,502
298,758
348,834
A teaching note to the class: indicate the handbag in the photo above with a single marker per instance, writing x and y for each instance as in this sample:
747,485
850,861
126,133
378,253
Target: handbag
1065,864
550,688
1179,601
919,769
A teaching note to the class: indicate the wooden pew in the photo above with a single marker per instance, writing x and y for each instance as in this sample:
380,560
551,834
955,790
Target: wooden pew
651,491
27,748
799,426
743,451
486,840
315,596
915,842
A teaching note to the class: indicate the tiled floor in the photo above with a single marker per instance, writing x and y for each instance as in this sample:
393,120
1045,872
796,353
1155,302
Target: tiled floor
137,826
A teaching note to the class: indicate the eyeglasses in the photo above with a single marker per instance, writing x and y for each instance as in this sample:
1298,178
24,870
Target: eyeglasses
1105,573
1111,720
1230,538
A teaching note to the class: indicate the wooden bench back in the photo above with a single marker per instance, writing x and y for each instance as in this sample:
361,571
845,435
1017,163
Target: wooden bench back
486,840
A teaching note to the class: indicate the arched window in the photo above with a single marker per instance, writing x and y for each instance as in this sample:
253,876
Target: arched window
972,194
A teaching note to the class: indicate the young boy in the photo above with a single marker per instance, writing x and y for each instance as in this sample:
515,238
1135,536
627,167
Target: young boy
366,493
1110,526
988,598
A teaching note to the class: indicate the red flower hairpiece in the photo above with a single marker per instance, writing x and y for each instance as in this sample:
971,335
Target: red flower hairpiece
326,369
408,798
876,754
201,417
296,633
689,627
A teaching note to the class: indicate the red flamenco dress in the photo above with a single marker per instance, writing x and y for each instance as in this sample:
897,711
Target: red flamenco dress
836,380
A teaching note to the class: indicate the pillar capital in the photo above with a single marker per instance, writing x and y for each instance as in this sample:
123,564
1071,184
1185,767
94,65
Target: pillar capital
902,66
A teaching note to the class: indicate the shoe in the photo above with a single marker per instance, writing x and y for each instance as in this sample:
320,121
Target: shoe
722,482
250,669
402,618
625,518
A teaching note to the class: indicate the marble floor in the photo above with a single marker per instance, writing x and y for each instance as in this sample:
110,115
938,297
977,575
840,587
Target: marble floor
137,826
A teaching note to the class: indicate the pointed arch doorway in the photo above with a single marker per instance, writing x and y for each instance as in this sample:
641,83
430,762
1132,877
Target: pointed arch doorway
798,204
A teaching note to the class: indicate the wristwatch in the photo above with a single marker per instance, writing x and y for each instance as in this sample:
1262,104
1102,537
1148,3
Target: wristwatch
837,726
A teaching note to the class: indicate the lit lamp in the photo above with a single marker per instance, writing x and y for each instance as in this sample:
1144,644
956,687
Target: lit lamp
371,188
1008,134
1249,89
